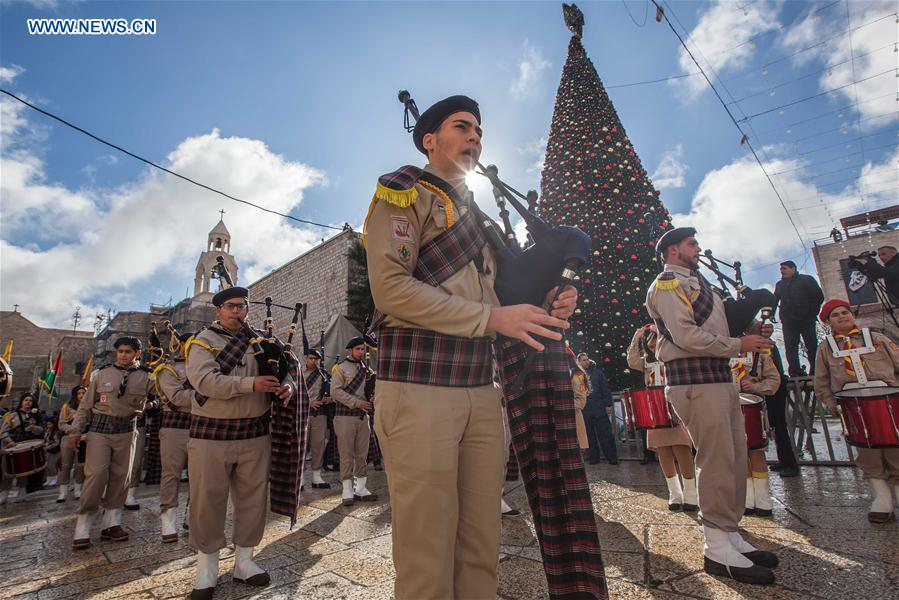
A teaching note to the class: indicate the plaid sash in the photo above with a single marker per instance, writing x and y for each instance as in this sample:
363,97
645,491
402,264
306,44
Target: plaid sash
542,423
175,420
704,302
351,387
310,381
430,358
110,425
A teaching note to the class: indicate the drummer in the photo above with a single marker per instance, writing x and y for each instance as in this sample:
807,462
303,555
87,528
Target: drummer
669,443
753,389
21,425
880,466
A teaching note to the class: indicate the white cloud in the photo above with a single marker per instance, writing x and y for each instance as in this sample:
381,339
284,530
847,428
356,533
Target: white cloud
7,74
716,39
535,152
671,171
872,48
74,245
738,216
530,69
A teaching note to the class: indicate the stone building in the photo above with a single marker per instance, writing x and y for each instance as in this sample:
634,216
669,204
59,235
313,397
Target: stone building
31,343
861,233
320,278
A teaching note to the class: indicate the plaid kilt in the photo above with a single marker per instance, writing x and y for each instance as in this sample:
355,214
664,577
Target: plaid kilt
542,422
175,420
430,358
229,430
332,454
290,437
374,449
111,425
152,460
512,464
697,370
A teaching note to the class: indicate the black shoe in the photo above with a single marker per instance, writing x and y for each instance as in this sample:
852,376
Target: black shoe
514,512
675,507
132,506
257,580
881,517
204,594
763,558
748,511
777,467
690,508
763,512
614,461
322,486
790,472
593,461
365,498
755,574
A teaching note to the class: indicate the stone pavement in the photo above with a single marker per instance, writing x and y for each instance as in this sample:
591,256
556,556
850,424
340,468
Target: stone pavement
826,546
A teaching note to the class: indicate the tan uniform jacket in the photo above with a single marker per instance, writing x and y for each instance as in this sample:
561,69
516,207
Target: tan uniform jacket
228,396
459,306
102,396
673,307
830,371
316,389
66,418
581,388
636,360
341,374
766,380
170,384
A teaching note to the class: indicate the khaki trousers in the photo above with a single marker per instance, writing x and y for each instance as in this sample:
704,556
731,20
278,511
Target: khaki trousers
353,436
879,463
712,415
138,463
217,468
67,460
173,459
107,467
318,439
443,454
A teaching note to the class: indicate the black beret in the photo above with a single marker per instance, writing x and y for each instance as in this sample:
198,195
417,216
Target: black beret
672,237
231,292
127,340
431,119
788,263
356,341
313,353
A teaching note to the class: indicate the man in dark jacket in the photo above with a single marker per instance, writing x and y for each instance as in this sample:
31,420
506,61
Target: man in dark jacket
597,414
799,297
889,271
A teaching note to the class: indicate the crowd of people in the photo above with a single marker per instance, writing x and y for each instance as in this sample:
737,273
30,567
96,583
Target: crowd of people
235,407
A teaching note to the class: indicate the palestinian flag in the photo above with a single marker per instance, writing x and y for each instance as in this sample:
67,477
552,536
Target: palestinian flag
51,375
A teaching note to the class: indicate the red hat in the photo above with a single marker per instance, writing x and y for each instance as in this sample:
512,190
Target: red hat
829,307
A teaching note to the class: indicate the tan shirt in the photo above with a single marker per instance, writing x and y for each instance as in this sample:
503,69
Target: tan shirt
579,385
341,374
674,308
228,396
316,388
636,360
102,396
66,418
766,380
459,306
170,384
830,371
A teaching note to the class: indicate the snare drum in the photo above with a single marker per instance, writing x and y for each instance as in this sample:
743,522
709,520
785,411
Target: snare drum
81,455
756,421
870,416
24,458
648,409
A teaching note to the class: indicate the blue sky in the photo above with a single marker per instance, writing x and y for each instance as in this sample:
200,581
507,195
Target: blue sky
293,105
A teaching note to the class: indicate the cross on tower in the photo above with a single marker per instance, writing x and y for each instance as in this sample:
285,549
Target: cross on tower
222,212
15,308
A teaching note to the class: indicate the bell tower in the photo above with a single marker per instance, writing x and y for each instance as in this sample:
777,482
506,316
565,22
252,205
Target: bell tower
218,244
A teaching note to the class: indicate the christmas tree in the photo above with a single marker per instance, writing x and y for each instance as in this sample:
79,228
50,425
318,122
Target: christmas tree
593,179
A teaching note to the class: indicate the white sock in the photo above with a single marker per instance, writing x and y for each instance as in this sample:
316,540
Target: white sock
750,493
675,492
762,491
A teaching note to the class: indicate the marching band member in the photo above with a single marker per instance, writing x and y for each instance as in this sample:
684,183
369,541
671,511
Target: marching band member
68,447
351,421
229,450
671,443
695,345
580,383
764,383
177,397
117,395
879,357
316,378
20,425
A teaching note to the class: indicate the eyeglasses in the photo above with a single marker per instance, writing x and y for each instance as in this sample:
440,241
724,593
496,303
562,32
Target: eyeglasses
234,307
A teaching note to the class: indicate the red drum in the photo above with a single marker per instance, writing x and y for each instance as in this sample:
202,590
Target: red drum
81,455
870,416
648,409
756,420
24,458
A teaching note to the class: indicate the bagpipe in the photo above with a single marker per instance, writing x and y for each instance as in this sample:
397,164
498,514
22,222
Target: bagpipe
523,275
742,309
